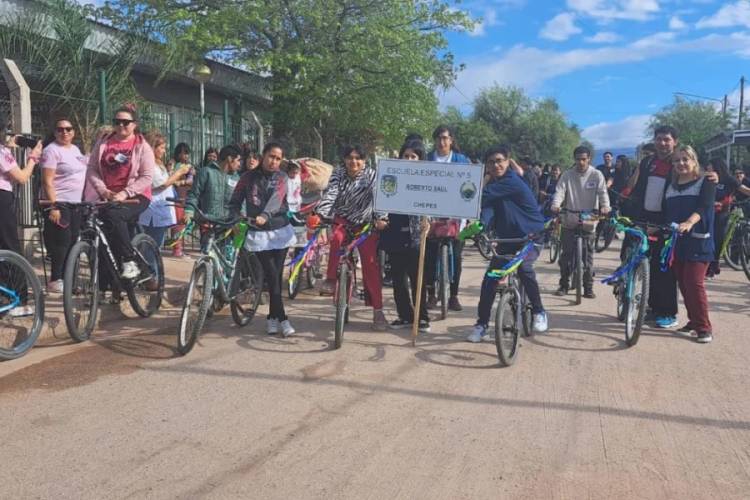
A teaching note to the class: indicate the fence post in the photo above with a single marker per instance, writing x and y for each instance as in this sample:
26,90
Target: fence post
227,128
261,137
102,97
172,130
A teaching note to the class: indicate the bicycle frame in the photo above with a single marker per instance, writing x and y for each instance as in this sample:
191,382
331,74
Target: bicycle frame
347,257
221,264
15,300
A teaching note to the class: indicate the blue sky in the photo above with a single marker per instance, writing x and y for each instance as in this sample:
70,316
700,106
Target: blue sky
609,63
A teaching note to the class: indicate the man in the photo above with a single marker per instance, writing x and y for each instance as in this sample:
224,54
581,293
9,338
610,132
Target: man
214,185
607,169
508,201
446,151
739,174
529,178
581,188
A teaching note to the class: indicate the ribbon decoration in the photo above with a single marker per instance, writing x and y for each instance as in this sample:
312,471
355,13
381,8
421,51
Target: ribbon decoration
184,231
359,237
635,257
512,265
295,265
667,253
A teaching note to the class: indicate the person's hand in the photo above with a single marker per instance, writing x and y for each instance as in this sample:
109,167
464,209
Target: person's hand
712,177
55,215
685,227
554,209
424,224
37,151
107,195
717,205
381,224
260,221
121,196
184,170
605,211
187,218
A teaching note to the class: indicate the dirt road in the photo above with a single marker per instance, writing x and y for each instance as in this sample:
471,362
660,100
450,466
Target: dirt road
246,415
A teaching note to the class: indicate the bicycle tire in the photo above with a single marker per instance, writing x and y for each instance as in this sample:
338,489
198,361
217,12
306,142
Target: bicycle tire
146,247
195,307
81,283
604,237
526,314
444,277
19,347
506,328
343,286
637,298
745,253
246,288
620,306
578,271
483,245
733,254
554,249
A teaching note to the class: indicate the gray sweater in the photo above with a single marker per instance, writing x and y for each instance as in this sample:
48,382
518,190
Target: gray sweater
580,191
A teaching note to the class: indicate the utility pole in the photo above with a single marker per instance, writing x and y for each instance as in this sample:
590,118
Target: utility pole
724,106
742,102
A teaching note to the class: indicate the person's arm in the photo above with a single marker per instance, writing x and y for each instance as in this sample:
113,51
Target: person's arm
744,189
145,173
705,205
325,207
22,176
48,178
192,200
176,176
495,191
560,192
275,201
93,173
603,196
239,195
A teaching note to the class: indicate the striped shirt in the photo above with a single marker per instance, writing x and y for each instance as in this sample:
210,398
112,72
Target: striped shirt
352,199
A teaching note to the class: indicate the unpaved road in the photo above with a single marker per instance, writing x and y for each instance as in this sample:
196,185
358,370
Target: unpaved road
251,416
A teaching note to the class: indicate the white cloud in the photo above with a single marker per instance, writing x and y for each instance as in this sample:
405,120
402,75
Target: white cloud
560,28
677,24
604,37
626,133
609,10
489,19
736,14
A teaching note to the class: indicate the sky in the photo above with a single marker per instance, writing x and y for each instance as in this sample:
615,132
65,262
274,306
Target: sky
609,63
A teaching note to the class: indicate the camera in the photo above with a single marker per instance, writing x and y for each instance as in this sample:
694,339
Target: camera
26,140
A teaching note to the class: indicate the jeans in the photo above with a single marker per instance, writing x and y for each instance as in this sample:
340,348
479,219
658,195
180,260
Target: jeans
568,255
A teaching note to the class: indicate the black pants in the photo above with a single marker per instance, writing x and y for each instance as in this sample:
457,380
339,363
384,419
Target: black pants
116,220
404,268
662,295
431,258
272,262
568,255
58,239
9,241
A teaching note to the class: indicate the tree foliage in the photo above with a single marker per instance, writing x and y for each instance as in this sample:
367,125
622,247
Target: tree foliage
534,128
357,69
55,38
696,121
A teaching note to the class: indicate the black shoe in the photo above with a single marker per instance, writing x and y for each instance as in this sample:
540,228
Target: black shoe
454,304
685,329
424,326
561,292
704,337
398,324
589,294
432,302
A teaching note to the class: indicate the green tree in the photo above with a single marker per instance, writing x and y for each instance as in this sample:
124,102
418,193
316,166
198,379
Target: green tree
354,69
695,121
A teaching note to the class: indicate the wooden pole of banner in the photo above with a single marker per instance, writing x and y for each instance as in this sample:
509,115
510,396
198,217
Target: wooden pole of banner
425,228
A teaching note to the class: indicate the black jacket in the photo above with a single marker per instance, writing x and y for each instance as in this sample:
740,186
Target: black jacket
263,194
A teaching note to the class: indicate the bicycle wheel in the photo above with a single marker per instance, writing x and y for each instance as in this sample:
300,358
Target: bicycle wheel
81,291
621,298
526,315
246,288
21,305
635,304
578,271
745,250
554,248
506,328
145,292
341,301
444,280
604,236
313,271
195,307
734,250
483,245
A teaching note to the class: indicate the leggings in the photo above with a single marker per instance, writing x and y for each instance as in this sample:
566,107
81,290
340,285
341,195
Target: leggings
273,267
58,239
116,220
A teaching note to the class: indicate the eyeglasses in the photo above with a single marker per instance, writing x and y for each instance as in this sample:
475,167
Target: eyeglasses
60,130
122,122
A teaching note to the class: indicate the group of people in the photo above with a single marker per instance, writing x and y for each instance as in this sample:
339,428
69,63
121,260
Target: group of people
669,186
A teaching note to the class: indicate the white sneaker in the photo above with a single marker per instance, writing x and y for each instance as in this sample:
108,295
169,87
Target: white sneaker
286,328
130,270
478,334
55,286
21,311
540,322
272,326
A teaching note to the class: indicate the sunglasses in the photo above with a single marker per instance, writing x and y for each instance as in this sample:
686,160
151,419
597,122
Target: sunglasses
122,122
60,130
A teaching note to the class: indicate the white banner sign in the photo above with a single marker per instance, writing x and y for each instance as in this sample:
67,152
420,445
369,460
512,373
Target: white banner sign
429,188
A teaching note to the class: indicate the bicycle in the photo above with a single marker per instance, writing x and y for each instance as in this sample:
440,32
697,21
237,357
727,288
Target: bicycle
346,280
308,261
553,243
513,306
736,244
225,274
605,233
444,273
81,276
21,305
579,232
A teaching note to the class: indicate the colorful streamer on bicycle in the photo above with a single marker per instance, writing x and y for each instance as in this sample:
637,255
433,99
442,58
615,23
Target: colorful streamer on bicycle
183,232
512,265
296,264
667,252
635,257
361,236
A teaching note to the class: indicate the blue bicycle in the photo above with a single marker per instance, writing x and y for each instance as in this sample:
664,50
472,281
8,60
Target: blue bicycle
21,305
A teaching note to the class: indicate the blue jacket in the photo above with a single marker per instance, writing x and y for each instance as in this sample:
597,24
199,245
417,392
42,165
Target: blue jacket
456,158
681,202
509,200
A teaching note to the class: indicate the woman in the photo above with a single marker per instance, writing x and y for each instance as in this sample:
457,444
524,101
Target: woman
252,160
160,214
400,240
263,193
348,200
180,160
121,167
726,189
689,202
211,156
63,180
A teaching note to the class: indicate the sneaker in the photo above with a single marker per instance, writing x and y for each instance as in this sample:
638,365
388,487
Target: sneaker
540,322
685,329
454,304
55,286
424,326
432,302
130,270
286,328
378,320
177,252
666,321
399,324
478,334
272,326
561,292
326,289
704,337
21,312
589,294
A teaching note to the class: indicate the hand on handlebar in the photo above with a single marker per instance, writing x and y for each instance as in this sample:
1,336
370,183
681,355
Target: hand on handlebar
260,220
121,196
554,209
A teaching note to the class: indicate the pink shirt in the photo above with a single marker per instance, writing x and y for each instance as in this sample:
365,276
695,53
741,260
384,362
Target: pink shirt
70,171
7,163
